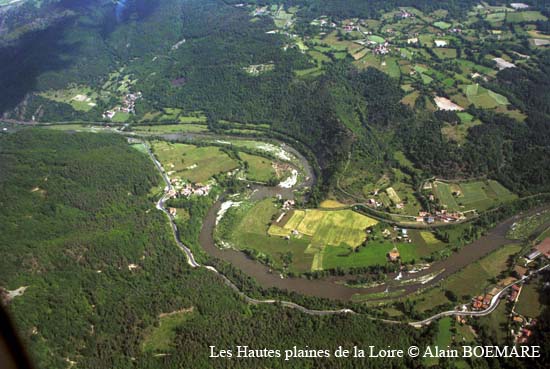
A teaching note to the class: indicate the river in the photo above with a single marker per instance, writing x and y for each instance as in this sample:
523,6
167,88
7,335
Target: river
334,287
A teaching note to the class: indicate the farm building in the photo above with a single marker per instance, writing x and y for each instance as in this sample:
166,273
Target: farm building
393,254
533,255
519,6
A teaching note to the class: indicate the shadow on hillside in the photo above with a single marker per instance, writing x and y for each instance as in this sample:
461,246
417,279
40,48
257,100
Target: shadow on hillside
34,53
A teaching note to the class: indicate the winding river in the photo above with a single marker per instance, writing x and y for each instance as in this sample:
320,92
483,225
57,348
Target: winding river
334,287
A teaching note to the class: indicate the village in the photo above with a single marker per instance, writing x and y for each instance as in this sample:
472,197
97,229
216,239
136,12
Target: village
128,106
521,327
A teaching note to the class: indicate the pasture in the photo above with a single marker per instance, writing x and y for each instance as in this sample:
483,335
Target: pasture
259,169
445,53
196,164
529,304
374,253
442,25
81,98
161,338
252,233
527,16
475,195
483,98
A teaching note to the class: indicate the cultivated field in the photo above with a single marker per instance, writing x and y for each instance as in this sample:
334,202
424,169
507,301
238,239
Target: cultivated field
252,233
328,227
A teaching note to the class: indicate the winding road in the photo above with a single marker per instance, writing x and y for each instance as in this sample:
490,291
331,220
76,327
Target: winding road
288,304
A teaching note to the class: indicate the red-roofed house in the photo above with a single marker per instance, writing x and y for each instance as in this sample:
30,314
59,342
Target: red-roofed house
544,247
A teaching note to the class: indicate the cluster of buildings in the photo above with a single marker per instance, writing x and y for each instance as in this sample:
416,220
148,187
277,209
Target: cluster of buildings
382,49
482,302
405,14
128,106
187,189
525,330
440,215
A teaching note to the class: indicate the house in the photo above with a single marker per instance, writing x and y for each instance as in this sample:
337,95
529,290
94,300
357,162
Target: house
544,247
533,255
288,204
172,211
440,43
393,254
519,6
413,40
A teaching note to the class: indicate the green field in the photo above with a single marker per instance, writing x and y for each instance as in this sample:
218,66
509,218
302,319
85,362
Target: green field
196,164
529,304
526,16
328,227
442,338
477,195
484,98
252,233
330,233
442,25
81,98
160,339
374,253
259,168
496,324
377,39
170,128
470,281
445,53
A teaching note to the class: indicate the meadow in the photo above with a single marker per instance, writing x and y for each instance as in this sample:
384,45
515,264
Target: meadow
529,304
470,281
476,195
196,164
259,169
159,339
484,98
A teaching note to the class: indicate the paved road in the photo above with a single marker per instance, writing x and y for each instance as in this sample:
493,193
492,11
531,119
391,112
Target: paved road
288,304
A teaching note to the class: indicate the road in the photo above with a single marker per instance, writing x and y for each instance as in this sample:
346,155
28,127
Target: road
288,304
492,306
